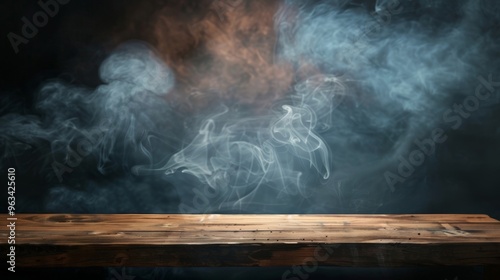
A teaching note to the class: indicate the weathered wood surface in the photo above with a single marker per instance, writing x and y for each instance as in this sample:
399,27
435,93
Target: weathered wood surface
64,240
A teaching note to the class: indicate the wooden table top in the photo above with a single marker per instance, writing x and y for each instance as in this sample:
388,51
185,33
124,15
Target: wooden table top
64,240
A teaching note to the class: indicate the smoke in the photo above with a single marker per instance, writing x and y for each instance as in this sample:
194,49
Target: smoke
84,134
287,106
310,104
404,66
393,79
255,161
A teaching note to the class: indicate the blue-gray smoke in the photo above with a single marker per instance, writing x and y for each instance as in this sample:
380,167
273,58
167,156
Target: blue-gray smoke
384,76
387,80
256,163
85,138
405,63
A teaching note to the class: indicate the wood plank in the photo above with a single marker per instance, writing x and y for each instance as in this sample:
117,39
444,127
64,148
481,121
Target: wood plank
65,240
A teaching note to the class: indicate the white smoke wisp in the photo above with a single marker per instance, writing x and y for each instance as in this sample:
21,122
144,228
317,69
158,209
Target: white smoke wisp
402,71
279,155
80,132
368,80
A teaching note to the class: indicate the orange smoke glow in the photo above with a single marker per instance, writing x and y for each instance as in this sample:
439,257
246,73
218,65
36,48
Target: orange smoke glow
222,51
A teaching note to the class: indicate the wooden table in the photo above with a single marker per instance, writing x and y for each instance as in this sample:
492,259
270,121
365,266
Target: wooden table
66,240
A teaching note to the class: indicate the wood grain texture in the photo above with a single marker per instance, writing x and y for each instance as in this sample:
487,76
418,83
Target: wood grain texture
64,240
